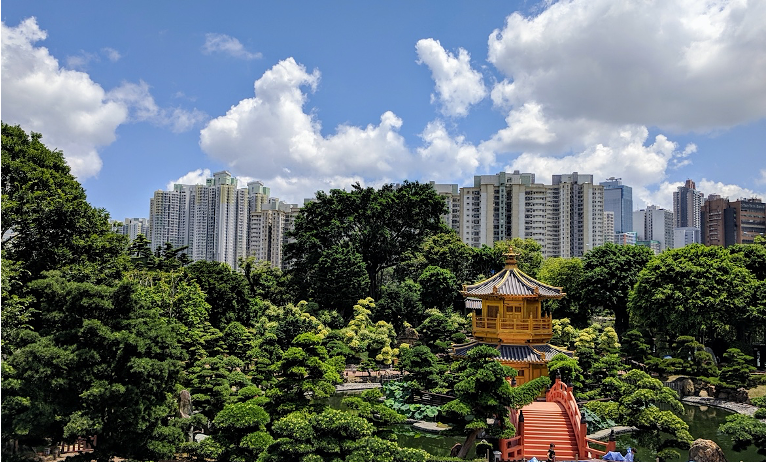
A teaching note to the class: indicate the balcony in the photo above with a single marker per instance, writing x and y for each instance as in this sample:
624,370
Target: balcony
512,330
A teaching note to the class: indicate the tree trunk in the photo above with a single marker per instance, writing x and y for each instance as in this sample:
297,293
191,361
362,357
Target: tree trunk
468,443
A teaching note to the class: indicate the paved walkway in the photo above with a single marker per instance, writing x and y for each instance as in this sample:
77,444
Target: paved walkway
604,434
739,408
356,386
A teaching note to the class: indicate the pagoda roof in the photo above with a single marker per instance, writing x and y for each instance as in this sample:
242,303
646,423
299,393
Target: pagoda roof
527,353
511,282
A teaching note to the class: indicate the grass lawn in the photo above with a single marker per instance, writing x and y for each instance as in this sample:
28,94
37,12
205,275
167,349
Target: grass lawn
756,392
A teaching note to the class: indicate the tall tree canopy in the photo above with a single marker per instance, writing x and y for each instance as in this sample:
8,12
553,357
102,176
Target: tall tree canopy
380,225
609,273
699,291
47,221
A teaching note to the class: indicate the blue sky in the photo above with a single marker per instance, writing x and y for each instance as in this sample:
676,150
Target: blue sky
318,95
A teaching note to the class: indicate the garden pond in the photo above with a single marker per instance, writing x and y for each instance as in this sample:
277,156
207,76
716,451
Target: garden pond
703,423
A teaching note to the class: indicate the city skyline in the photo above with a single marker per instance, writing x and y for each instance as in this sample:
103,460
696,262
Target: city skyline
318,97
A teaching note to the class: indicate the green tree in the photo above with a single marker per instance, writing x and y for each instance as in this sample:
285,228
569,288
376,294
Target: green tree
307,376
240,431
438,330
633,346
400,304
737,367
674,295
567,368
566,273
266,282
226,292
530,256
381,225
483,392
424,369
644,402
333,435
439,288
609,273
111,350
341,279
47,222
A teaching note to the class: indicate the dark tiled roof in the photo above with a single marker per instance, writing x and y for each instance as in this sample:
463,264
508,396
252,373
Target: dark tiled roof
516,353
512,281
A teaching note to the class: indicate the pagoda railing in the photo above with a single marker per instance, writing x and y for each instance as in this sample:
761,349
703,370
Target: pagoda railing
562,393
511,324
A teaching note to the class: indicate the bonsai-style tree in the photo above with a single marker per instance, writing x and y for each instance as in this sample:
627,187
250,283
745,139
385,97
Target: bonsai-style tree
483,392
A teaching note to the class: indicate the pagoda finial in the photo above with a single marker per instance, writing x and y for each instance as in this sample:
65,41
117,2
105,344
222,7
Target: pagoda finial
510,258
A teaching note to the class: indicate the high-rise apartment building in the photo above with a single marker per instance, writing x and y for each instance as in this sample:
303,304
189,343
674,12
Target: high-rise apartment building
727,223
268,231
132,227
618,198
451,195
687,204
565,218
215,220
685,236
654,224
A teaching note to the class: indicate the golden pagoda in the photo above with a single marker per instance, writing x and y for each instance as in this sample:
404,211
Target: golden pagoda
511,319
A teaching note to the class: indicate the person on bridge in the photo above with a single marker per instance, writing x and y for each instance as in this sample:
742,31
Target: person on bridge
552,453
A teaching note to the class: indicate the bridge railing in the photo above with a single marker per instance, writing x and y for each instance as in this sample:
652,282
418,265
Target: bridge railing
513,448
562,393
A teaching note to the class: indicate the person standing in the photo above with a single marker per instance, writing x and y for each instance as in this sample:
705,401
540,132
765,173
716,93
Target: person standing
629,455
552,453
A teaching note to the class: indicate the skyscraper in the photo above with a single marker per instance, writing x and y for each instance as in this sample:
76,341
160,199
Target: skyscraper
655,224
618,198
727,223
687,202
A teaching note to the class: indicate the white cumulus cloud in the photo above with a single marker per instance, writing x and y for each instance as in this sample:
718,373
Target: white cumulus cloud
72,112
270,135
674,64
458,86
222,43
449,158
198,176
138,99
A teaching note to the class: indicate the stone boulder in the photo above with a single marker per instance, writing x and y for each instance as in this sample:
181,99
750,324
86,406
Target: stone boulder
185,404
687,387
739,395
706,451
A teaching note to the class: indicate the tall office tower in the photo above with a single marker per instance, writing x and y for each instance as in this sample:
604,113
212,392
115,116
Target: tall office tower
132,227
618,198
727,223
745,221
655,224
687,203
451,196
712,220
609,235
